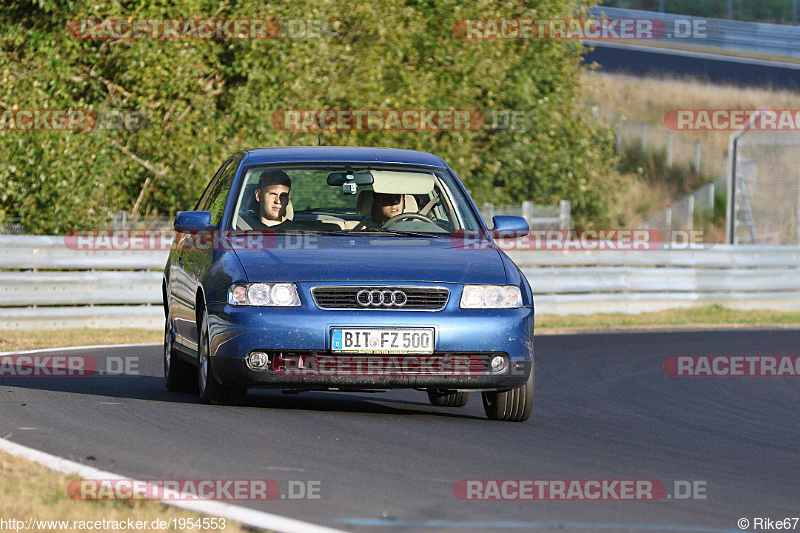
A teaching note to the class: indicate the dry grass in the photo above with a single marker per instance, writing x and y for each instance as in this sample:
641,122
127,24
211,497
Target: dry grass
29,490
12,340
648,99
696,317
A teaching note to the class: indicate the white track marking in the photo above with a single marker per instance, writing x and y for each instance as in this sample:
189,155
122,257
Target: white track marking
72,348
250,517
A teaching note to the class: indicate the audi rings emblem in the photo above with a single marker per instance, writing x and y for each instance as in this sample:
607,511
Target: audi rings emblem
381,298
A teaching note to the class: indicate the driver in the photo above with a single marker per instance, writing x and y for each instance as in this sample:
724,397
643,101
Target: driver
386,206
272,195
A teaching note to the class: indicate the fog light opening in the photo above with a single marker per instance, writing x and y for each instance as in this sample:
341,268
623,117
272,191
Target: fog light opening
258,360
498,363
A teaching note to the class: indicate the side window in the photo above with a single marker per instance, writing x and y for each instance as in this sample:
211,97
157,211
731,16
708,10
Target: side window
215,203
210,187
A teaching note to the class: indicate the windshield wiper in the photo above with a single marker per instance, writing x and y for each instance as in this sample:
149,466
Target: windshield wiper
400,233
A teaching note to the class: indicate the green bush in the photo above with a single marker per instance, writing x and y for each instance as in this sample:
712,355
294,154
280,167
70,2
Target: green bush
207,99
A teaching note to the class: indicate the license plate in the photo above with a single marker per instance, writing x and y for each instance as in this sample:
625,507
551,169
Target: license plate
417,340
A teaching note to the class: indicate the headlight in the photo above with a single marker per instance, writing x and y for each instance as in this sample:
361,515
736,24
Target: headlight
491,297
264,294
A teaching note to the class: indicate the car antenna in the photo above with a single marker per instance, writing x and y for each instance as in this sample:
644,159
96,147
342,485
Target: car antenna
319,139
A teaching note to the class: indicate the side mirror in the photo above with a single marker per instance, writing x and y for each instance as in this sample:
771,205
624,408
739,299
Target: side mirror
191,221
510,227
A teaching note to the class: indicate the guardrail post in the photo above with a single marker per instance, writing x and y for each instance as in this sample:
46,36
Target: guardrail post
669,148
564,214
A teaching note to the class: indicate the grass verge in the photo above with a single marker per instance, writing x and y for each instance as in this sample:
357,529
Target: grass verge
712,316
29,490
13,340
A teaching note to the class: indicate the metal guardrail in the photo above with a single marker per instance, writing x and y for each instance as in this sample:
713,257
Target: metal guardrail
46,285
758,37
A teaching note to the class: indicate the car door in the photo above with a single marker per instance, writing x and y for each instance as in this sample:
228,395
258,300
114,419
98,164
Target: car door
194,260
182,280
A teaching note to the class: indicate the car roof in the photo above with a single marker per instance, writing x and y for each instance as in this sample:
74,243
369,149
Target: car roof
335,154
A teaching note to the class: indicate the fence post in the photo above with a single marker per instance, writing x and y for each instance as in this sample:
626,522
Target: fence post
697,157
564,214
690,209
488,208
669,148
618,143
644,137
730,170
668,218
527,210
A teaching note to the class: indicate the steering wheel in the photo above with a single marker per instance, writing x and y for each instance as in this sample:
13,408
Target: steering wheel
402,216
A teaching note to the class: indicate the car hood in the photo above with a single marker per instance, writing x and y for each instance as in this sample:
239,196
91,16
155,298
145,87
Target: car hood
371,259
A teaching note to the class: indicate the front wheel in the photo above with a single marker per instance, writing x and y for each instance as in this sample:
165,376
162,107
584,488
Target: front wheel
513,405
211,390
448,398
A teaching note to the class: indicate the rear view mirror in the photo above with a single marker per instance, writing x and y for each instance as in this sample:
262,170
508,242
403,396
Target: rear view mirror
350,180
340,178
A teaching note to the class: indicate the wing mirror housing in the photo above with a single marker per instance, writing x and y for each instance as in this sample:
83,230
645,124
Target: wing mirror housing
191,221
510,226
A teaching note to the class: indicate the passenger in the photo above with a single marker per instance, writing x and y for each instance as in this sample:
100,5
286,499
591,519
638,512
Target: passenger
386,206
272,195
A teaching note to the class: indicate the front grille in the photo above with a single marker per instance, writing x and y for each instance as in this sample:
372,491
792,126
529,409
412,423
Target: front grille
417,298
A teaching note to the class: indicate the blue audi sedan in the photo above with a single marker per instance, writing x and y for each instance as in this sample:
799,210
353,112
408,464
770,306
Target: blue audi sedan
346,269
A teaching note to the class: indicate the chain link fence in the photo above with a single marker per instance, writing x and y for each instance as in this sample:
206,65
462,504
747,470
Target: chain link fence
766,188
12,226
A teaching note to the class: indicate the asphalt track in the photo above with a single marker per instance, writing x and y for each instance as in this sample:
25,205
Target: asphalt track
715,68
605,409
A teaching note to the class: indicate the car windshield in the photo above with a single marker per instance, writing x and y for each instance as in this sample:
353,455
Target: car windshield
351,198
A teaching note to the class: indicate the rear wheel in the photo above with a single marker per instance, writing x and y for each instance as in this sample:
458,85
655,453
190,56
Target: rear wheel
179,376
444,398
211,390
513,405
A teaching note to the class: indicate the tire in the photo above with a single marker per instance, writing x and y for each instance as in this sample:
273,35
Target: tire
211,390
448,398
514,405
179,376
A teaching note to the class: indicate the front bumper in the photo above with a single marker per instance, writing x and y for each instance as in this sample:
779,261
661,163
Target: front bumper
235,372
236,331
